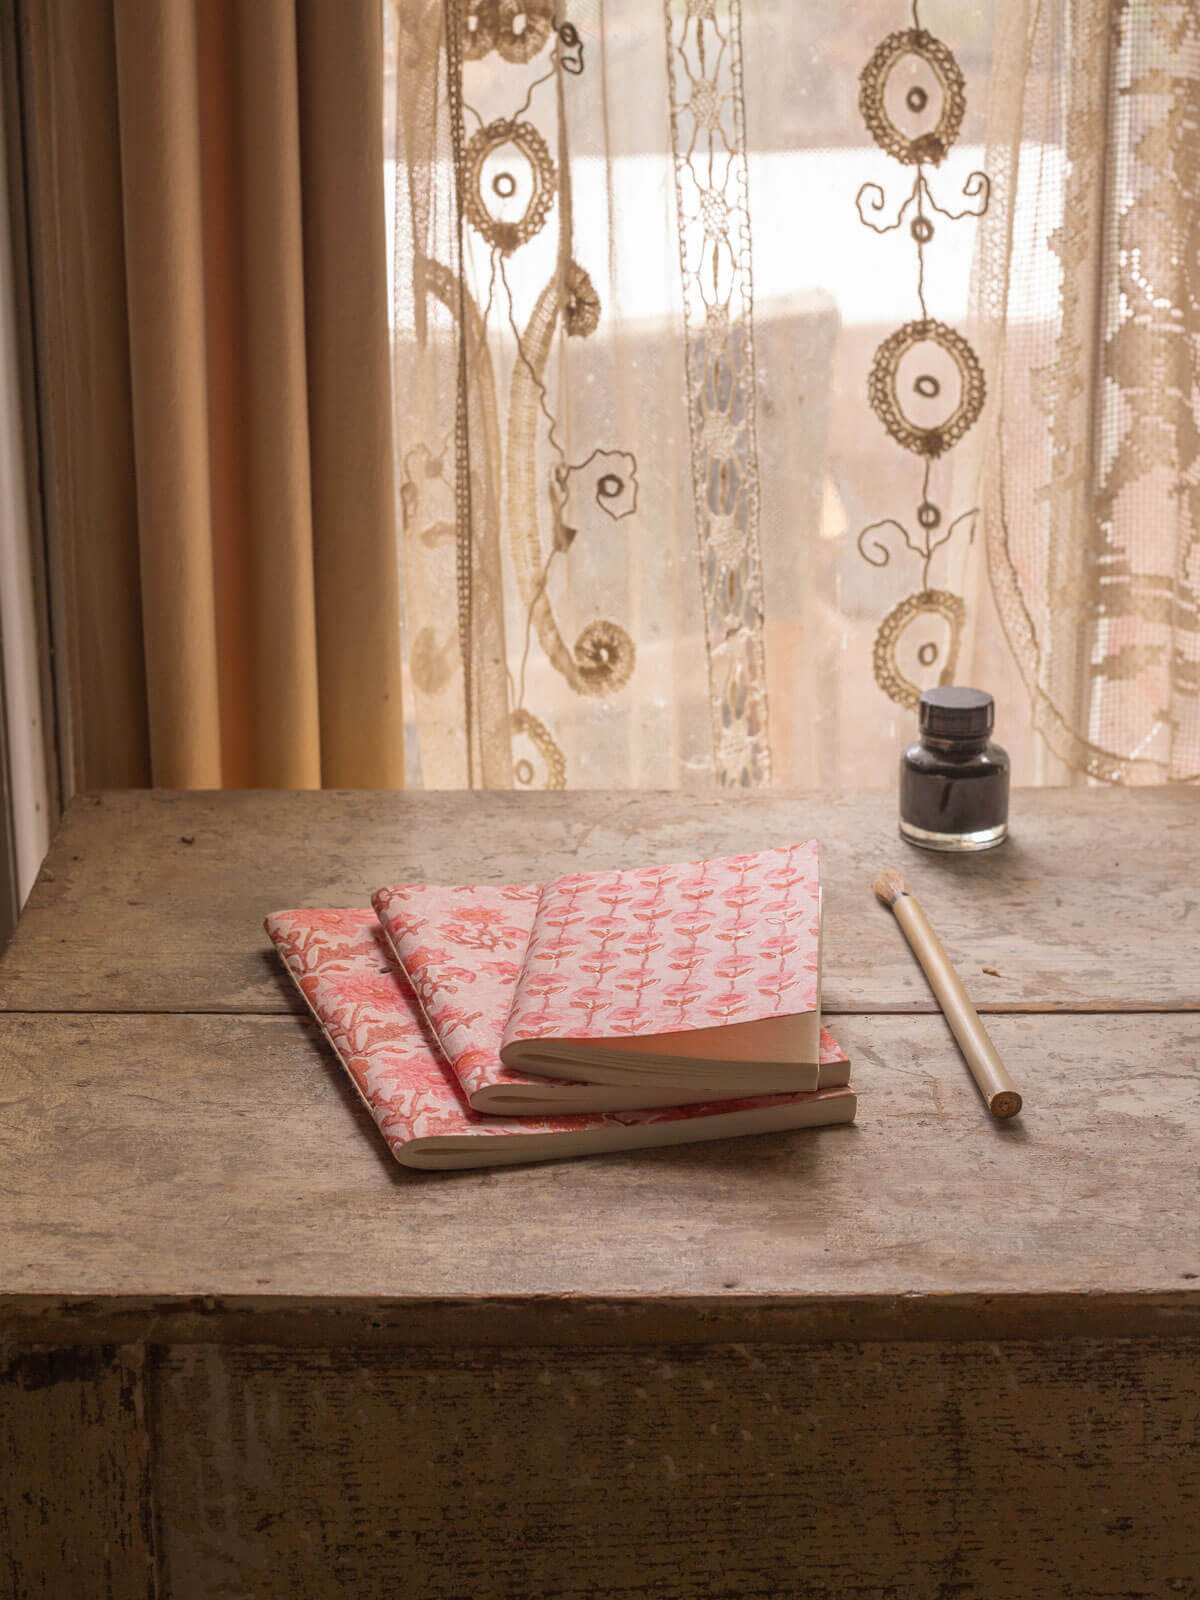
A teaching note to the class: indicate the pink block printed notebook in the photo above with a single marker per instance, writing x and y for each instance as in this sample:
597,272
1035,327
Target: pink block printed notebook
344,967
523,981
464,951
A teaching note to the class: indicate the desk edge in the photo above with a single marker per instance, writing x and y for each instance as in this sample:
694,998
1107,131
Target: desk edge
554,1320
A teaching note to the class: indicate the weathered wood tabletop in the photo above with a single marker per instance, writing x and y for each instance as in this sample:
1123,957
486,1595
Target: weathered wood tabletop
203,1232
154,902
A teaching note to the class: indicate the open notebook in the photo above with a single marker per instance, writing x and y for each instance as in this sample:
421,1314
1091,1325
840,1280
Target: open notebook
341,963
463,950
650,985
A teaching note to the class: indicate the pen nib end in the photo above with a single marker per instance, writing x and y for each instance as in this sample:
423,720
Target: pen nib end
889,886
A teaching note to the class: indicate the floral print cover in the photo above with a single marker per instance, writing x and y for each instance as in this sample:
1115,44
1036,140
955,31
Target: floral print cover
341,963
654,950
463,948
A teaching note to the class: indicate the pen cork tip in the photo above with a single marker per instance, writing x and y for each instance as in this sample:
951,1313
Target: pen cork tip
889,886
1005,1104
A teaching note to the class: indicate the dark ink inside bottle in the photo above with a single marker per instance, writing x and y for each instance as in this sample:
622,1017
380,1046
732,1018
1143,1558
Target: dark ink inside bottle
954,781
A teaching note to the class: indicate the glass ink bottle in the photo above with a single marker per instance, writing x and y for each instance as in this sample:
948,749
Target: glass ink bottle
953,781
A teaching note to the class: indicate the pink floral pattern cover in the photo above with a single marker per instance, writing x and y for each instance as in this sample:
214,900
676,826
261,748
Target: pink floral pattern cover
462,949
341,963
667,949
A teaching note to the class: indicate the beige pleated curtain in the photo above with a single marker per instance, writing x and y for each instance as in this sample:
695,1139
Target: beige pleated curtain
208,187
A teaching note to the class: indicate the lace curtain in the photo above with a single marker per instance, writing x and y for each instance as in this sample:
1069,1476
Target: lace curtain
757,366
1089,287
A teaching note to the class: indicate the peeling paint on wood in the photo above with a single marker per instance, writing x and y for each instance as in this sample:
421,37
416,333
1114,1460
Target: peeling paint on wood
990,1471
76,1513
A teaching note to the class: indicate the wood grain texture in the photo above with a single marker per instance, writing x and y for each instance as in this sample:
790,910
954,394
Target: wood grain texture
210,1168
153,901
1000,1471
75,1498
729,1372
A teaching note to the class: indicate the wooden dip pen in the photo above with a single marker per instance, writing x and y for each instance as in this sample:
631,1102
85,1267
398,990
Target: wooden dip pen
995,1085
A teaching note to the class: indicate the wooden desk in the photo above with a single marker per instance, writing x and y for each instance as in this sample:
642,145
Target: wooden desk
929,1355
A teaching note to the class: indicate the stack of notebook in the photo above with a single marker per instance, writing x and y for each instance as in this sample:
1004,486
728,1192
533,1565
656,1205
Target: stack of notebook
600,1011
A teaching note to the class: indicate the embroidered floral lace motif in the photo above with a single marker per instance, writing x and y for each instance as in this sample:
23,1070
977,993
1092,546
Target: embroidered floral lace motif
926,384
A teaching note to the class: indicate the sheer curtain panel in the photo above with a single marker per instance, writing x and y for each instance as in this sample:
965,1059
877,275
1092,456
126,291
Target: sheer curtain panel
756,366
659,526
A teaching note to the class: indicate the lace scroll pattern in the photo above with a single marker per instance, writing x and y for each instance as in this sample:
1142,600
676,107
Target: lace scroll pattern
926,384
498,471
708,132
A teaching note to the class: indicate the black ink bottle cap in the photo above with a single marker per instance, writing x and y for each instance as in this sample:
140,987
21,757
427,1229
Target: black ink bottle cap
954,713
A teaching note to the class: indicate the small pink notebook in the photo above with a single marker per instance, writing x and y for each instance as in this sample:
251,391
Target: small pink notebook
649,986
341,963
463,950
